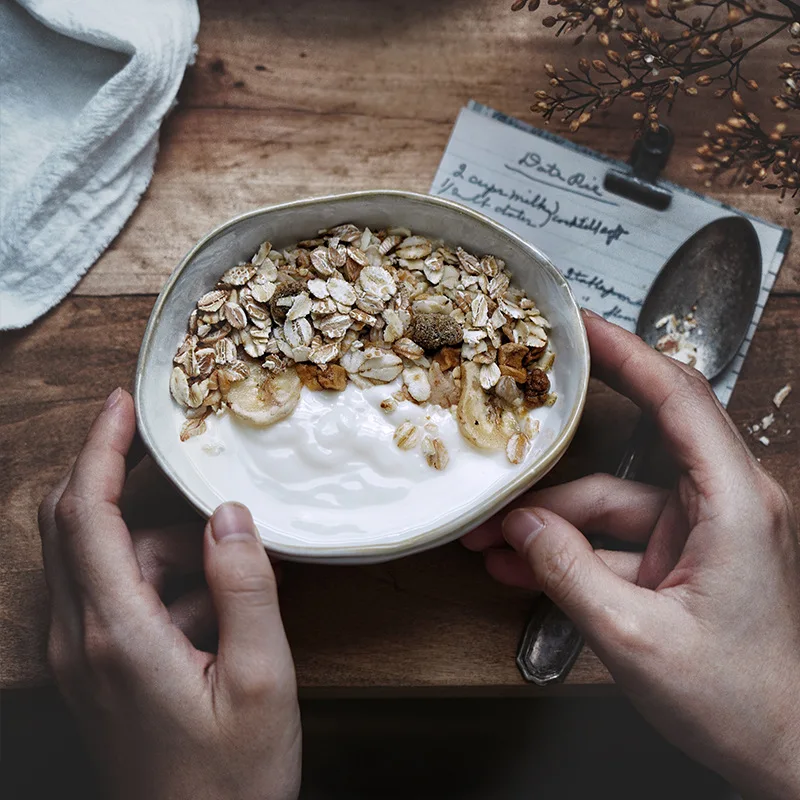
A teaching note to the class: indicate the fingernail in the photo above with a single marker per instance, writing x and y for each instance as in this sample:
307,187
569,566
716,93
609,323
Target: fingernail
232,521
587,312
113,399
520,526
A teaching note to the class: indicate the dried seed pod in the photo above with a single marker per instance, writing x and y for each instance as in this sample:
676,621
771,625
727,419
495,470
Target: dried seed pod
432,331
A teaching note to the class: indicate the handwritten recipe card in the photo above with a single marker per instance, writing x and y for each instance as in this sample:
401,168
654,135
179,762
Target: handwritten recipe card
550,192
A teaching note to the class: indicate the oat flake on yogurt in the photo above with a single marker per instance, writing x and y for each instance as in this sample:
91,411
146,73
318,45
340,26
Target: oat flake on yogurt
369,307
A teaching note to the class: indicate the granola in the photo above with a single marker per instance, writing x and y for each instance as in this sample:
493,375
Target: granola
366,307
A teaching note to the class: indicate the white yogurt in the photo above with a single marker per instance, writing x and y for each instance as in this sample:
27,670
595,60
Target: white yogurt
330,474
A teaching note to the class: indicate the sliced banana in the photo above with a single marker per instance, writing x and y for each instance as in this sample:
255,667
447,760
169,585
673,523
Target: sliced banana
482,422
264,398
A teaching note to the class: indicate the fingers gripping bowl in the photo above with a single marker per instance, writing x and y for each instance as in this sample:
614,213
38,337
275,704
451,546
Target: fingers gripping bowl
362,472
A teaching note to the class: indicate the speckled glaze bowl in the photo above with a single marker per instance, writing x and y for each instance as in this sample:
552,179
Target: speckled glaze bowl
236,240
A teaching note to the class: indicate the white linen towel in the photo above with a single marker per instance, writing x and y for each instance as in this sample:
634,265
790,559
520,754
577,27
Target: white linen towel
84,86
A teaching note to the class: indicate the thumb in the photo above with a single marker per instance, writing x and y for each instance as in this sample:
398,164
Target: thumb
253,651
570,573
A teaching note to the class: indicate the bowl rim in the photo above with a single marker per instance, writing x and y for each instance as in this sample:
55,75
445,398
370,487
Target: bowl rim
442,534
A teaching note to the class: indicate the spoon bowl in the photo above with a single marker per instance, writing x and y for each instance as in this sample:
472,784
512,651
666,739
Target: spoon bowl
715,276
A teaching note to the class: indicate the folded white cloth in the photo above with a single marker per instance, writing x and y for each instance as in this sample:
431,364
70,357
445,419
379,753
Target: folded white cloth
84,86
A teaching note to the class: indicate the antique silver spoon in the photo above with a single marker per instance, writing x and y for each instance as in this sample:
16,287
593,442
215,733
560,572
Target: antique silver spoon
714,278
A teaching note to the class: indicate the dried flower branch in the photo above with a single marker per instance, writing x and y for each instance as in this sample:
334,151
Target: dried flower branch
687,48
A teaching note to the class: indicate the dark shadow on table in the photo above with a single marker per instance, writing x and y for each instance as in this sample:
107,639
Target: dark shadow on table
382,749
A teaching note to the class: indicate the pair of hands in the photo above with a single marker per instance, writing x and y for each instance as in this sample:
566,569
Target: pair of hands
702,630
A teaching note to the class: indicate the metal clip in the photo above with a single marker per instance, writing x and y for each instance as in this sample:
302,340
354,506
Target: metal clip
649,156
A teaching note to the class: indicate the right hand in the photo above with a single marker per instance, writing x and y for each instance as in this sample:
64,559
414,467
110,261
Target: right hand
702,630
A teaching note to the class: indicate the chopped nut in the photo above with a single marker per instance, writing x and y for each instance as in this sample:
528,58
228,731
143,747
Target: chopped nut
519,375
508,390
309,375
332,377
537,387
444,391
512,356
448,358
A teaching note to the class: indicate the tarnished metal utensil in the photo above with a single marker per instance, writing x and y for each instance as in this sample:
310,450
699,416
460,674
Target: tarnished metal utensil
715,276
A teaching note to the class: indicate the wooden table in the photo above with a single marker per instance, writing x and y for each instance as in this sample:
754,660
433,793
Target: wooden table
293,98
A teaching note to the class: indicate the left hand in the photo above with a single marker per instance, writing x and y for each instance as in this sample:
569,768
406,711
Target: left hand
163,718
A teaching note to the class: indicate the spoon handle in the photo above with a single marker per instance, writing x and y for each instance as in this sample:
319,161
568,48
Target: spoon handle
550,642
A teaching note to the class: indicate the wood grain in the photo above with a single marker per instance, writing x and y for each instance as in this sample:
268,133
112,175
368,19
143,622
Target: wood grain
353,94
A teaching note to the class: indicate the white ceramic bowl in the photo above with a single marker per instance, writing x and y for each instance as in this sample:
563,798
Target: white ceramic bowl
235,241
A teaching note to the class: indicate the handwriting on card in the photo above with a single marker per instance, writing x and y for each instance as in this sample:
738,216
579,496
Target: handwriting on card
532,208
